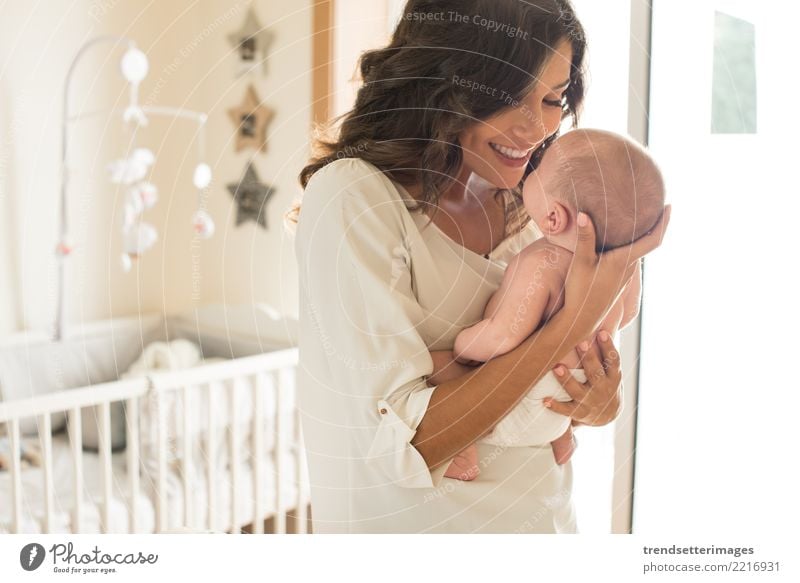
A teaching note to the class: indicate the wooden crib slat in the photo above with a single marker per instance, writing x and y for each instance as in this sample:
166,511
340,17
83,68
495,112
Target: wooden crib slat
258,452
76,441
301,514
132,439
105,460
16,477
46,439
211,456
161,455
186,462
280,515
234,452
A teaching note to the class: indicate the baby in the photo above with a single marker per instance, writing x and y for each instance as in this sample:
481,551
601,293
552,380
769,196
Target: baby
620,187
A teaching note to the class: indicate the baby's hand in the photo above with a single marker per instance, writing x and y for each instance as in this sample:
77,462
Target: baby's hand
563,447
465,465
467,361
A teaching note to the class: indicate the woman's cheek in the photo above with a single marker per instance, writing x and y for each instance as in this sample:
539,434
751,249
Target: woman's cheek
553,121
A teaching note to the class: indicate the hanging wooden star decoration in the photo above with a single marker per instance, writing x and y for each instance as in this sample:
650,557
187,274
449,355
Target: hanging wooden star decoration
251,120
250,196
250,40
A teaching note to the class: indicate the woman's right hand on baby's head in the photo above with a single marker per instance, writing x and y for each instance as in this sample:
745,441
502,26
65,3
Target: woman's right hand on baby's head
595,281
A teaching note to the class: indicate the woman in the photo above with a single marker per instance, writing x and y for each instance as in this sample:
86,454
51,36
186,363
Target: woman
399,246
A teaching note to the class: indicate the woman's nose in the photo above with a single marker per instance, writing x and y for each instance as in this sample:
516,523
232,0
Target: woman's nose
530,129
535,125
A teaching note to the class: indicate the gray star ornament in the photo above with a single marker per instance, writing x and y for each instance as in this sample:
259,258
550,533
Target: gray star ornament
251,40
250,196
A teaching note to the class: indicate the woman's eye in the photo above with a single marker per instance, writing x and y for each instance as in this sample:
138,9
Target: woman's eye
554,102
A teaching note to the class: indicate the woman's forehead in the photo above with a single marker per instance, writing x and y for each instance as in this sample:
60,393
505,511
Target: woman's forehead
557,67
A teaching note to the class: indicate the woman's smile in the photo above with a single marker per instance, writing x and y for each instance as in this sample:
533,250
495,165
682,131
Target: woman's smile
511,156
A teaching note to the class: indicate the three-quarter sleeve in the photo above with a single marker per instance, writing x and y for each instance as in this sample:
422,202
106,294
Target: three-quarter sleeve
356,277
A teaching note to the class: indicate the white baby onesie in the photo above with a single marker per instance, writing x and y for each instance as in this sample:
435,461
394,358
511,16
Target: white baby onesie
530,422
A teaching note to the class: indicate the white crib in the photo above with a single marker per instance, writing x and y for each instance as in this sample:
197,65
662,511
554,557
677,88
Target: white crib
213,448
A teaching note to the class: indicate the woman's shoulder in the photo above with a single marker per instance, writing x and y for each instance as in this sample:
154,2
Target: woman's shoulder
360,191
351,175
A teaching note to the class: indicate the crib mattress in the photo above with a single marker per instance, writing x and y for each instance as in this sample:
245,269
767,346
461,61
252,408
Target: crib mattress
64,495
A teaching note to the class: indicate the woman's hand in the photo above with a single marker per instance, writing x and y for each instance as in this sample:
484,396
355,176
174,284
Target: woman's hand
594,282
598,401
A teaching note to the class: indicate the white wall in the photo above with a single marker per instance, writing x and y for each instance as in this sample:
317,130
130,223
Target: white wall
191,65
359,25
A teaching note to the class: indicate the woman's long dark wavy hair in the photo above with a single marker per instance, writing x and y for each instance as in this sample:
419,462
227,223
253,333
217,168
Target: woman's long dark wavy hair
411,108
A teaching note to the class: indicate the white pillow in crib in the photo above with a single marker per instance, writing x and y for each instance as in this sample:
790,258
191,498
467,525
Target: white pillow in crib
173,355
33,369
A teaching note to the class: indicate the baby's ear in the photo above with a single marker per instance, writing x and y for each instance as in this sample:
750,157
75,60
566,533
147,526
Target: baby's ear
560,218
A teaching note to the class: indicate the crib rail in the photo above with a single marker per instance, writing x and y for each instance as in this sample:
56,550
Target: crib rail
216,382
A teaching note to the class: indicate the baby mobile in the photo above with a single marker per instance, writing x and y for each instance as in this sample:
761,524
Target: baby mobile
251,118
131,171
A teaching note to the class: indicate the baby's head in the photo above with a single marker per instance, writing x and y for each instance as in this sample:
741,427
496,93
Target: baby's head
606,175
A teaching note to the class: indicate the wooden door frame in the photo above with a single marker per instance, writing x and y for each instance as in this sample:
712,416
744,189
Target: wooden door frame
322,60
625,431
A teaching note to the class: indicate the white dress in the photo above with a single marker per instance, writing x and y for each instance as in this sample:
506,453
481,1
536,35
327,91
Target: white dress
377,294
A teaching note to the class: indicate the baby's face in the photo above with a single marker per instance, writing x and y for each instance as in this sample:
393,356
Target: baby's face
534,197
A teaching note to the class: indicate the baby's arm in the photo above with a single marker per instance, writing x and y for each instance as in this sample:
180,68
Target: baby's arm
523,299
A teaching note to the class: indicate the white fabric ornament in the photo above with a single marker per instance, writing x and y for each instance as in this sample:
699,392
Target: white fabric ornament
139,239
202,176
145,193
134,65
143,156
125,261
203,224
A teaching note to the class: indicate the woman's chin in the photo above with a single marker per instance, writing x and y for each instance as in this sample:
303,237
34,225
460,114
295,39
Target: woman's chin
500,180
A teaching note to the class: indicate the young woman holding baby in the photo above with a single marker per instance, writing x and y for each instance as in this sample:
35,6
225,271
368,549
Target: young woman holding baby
408,219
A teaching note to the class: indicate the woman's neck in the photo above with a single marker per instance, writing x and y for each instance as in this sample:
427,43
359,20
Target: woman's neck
456,195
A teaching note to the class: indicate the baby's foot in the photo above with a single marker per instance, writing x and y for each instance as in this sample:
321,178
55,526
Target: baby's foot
465,465
563,447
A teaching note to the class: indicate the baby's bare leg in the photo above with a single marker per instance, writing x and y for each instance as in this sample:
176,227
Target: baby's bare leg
465,465
563,447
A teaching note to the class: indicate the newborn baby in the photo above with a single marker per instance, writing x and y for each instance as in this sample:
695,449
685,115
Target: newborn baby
615,182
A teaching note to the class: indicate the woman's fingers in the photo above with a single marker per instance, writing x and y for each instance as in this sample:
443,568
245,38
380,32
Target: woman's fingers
586,249
609,354
590,359
651,240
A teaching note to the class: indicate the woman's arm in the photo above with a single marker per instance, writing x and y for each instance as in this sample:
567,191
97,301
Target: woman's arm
462,410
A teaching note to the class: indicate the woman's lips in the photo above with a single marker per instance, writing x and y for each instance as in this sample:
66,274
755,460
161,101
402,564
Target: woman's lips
510,156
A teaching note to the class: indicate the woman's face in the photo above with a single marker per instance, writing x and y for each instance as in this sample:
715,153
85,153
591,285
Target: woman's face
498,149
